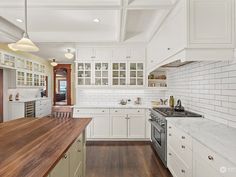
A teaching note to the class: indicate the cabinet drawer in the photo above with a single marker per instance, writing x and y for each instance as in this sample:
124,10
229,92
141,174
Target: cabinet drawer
90,111
184,152
128,111
213,159
175,165
183,137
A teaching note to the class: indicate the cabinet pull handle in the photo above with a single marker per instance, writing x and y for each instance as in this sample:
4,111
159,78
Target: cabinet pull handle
170,127
78,141
115,111
103,111
183,147
170,154
169,134
65,156
210,157
138,111
183,171
183,137
79,150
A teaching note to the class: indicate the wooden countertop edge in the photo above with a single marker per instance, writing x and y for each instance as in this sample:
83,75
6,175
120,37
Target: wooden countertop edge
42,170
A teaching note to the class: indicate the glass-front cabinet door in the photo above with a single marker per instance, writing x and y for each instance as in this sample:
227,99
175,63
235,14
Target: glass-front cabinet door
136,74
20,78
84,74
101,73
29,65
119,73
36,80
29,79
20,63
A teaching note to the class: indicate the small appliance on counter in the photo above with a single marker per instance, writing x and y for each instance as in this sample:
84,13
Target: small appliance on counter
10,97
138,101
179,106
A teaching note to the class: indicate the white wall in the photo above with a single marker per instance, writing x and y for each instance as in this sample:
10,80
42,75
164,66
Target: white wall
113,96
208,88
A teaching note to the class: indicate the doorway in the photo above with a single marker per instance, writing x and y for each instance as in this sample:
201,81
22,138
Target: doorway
1,95
62,84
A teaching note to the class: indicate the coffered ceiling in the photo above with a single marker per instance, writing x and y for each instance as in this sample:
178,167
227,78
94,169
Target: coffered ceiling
72,21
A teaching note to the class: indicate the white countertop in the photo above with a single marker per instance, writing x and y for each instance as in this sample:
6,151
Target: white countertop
216,136
29,99
116,106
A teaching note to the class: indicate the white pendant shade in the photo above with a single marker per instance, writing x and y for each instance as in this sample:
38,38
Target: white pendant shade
24,44
11,46
54,63
69,55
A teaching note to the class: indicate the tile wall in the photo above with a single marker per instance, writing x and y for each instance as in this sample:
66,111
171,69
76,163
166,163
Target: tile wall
206,87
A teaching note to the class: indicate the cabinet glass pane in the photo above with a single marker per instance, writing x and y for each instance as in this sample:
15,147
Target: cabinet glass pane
87,66
122,82
80,66
80,81
80,73
133,74
115,66
122,66
115,74
140,66
87,81
132,81
98,81
105,66
140,73
87,73
122,74
104,81
105,74
115,82
98,74
132,66
140,82
98,66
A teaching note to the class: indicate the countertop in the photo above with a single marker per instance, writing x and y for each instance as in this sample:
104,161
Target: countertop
216,136
117,106
29,99
32,147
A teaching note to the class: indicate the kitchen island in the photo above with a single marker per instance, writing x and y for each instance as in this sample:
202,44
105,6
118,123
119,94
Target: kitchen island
31,147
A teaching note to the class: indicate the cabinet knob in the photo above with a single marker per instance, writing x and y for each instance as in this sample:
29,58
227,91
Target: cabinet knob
168,48
183,171
183,147
183,137
170,154
78,150
115,111
65,156
103,111
78,141
210,157
170,127
169,134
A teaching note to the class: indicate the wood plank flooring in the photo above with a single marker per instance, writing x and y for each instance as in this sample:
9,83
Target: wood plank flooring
123,159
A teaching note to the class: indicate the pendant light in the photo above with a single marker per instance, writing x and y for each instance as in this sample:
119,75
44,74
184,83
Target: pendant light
68,54
24,44
54,63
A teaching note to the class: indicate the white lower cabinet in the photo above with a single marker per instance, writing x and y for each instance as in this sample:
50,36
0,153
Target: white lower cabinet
101,126
187,157
62,168
136,126
43,108
119,126
114,123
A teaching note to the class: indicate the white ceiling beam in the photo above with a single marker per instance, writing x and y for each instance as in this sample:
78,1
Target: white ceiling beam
123,20
155,7
10,30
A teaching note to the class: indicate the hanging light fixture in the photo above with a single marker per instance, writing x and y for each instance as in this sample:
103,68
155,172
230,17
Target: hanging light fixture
69,54
54,63
24,44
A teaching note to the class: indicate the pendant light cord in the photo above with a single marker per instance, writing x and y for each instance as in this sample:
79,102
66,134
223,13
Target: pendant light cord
26,20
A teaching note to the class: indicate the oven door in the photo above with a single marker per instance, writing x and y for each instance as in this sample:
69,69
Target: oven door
159,140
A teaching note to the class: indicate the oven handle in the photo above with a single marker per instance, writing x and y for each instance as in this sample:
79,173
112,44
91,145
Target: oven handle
158,127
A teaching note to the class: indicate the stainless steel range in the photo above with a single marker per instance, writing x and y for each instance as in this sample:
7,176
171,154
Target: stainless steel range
159,128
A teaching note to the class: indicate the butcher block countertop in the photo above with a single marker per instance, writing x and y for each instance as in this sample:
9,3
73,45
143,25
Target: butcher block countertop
31,147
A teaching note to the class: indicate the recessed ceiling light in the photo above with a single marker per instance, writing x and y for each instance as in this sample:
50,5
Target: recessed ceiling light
19,20
96,20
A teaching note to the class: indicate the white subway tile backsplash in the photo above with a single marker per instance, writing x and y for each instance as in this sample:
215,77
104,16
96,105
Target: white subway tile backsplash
208,88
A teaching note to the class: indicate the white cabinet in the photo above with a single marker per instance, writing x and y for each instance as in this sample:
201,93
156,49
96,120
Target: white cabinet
195,30
84,73
85,53
114,124
102,53
179,152
136,73
136,126
101,126
43,108
119,73
207,163
127,53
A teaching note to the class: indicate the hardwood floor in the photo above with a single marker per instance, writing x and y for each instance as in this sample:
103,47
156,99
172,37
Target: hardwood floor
123,159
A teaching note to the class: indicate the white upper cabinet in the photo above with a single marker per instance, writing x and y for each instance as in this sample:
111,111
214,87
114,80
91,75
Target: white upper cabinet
195,30
103,53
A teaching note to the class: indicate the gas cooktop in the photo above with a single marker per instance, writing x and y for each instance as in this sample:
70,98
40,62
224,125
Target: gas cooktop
170,112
